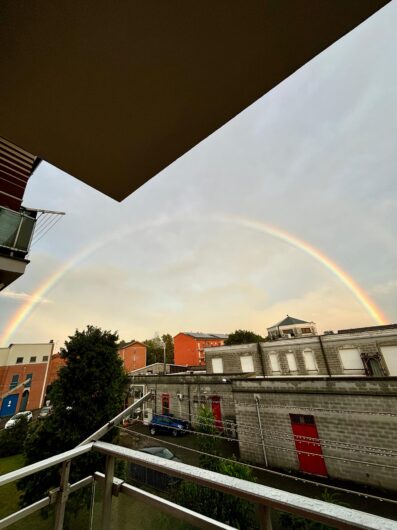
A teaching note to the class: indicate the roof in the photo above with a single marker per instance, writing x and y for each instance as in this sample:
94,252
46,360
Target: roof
131,344
197,335
114,92
289,321
368,328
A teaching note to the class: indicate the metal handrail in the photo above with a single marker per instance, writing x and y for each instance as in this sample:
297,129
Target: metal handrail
264,496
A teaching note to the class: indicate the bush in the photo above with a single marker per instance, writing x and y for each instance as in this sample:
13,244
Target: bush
12,440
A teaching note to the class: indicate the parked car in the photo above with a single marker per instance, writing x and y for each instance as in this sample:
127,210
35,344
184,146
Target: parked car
14,420
45,412
150,477
167,425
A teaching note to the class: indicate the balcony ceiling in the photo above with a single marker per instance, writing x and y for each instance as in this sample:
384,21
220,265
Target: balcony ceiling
113,92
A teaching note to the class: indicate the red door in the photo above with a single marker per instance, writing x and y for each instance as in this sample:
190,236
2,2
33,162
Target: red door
216,411
307,444
165,401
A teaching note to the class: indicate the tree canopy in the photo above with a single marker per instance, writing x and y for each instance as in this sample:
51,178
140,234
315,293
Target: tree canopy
243,336
89,391
155,349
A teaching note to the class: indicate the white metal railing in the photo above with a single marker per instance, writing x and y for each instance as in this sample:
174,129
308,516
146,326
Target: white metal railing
264,497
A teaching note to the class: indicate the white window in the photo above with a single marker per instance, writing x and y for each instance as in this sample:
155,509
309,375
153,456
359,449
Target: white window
292,362
274,363
217,365
390,356
247,364
310,361
351,361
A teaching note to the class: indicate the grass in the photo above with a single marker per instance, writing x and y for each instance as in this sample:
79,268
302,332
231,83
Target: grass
9,502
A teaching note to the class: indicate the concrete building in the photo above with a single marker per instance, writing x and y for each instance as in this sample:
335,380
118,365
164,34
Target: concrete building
343,428
189,347
323,405
133,355
370,351
23,374
291,327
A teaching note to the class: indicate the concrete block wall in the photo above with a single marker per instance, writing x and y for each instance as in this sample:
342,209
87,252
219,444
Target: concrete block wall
195,390
326,352
354,416
231,356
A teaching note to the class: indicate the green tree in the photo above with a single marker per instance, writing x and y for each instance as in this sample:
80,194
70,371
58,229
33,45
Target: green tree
242,336
169,347
220,506
90,390
123,343
12,440
155,349
289,521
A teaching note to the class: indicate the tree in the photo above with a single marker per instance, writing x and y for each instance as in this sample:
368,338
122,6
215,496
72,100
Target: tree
219,506
12,440
242,336
169,347
123,343
289,521
155,349
89,391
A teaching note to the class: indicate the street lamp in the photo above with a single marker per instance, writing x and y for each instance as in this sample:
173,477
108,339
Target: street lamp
164,359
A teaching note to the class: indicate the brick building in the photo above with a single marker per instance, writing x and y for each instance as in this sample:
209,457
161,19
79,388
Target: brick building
133,355
23,374
189,348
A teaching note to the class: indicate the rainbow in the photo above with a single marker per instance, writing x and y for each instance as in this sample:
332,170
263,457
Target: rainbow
358,292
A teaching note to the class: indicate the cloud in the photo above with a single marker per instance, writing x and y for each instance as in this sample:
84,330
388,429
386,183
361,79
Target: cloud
23,297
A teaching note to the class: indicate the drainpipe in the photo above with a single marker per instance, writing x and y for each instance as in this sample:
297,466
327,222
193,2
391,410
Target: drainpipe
324,356
261,431
260,353
189,404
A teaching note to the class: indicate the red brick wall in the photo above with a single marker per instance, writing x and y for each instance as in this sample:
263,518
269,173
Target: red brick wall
190,351
38,372
133,356
185,350
55,365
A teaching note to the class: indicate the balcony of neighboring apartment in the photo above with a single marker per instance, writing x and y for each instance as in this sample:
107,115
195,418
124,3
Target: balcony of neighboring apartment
16,232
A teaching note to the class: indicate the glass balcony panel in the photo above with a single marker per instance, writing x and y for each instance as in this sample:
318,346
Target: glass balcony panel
131,514
78,509
12,222
9,223
25,233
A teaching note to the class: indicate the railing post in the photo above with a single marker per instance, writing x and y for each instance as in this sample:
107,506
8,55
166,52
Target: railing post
107,494
265,522
62,496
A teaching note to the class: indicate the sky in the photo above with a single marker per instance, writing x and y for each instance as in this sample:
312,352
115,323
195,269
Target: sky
315,158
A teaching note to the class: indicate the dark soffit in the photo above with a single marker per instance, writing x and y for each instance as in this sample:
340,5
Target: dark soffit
113,92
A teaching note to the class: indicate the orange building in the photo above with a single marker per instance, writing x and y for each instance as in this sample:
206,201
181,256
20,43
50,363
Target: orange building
23,374
189,347
133,355
56,364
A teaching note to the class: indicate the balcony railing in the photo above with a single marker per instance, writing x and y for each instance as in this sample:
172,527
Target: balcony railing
16,230
264,497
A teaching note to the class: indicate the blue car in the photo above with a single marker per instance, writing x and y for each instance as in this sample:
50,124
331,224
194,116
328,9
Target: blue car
167,425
